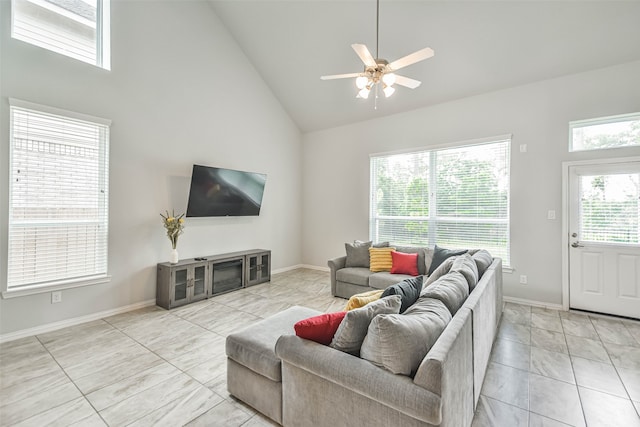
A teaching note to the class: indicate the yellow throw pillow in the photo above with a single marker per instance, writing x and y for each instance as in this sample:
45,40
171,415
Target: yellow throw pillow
380,259
360,300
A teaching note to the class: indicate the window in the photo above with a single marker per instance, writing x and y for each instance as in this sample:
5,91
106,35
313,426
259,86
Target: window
75,28
455,197
605,132
610,208
58,199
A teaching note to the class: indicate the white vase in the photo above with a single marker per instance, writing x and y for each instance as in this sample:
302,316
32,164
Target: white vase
174,256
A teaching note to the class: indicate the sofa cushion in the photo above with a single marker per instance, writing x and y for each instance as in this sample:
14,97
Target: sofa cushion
320,328
452,289
441,254
357,254
355,275
360,300
352,330
408,289
465,265
402,263
254,346
399,342
440,271
384,279
483,260
380,259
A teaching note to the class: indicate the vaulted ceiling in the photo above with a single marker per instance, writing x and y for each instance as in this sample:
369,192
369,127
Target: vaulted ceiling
480,46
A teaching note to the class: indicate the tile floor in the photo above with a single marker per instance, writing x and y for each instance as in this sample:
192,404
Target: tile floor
158,367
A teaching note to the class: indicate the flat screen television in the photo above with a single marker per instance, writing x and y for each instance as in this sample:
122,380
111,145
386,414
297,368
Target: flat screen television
224,192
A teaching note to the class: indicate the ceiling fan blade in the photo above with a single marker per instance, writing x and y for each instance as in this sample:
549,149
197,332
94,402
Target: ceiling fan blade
364,55
412,58
340,76
407,82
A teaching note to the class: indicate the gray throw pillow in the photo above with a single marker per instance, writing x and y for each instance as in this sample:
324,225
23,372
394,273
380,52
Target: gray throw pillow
483,260
452,289
465,265
354,326
409,290
357,254
439,272
441,254
399,342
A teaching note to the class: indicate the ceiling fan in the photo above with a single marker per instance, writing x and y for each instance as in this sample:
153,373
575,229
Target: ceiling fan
378,70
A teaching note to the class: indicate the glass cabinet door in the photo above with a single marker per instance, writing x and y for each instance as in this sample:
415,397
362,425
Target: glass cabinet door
253,268
199,281
181,284
264,266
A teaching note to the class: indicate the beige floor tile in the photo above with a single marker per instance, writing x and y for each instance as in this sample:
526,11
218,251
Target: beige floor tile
624,356
602,409
514,332
598,376
587,349
555,399
225,414
548,340
491,412
551,364
507,384
72,412
511,353
631,381
536,420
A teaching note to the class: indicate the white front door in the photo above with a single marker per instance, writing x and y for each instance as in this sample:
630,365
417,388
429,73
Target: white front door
604,238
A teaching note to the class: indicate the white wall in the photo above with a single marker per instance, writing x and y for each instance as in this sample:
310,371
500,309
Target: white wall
180,92
336,164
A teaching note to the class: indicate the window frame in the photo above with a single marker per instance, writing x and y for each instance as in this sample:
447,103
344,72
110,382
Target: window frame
67,283
576,124
103,32
432,200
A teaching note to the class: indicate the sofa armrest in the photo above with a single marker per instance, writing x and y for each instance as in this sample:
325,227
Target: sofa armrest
335,264
360,376
447,370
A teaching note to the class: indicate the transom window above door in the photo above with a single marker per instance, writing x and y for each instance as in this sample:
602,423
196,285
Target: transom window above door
605,132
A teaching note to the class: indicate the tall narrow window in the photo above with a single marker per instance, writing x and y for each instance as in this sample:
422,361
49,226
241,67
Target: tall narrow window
58,197
75,28
605,132
456,197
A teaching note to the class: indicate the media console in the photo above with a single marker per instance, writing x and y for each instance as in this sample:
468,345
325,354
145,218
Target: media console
195,279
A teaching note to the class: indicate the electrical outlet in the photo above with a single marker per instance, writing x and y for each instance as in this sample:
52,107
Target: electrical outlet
56,297
551,214
523,279
523,148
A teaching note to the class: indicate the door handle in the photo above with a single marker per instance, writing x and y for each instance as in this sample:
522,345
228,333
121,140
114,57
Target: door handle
576,245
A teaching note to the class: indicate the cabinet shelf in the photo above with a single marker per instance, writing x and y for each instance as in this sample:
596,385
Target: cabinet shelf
193,279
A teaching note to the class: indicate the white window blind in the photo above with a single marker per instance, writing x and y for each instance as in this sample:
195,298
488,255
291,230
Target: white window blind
455,197
610,208
75,28
58,201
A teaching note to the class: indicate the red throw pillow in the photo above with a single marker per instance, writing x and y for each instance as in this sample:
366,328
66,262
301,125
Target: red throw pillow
404,263
320,329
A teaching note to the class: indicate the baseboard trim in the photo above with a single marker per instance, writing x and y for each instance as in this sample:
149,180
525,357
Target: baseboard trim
533,303
297,266
49,327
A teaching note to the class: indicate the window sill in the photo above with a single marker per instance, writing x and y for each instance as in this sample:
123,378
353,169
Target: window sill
41,289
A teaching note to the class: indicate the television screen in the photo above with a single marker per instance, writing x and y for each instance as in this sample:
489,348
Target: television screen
224,192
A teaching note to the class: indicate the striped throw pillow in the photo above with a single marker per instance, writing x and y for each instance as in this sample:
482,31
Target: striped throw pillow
380,259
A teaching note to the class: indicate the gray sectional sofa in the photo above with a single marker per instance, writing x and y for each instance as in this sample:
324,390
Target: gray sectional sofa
298,382
322,386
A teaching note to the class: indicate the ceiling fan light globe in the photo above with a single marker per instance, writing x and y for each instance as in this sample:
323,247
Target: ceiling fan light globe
389,79
364,93
361,82
388,91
